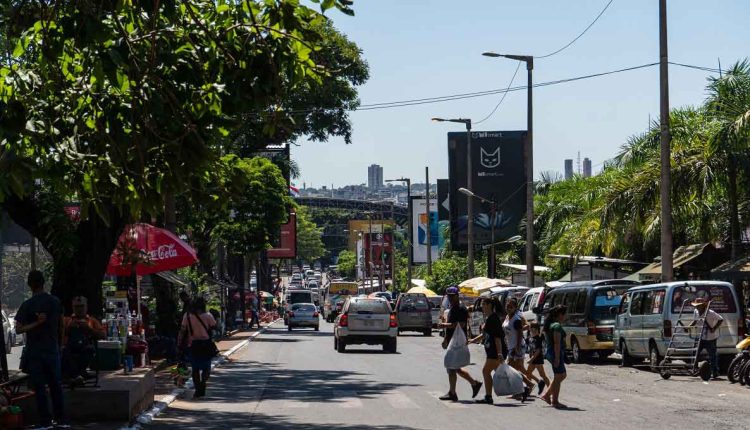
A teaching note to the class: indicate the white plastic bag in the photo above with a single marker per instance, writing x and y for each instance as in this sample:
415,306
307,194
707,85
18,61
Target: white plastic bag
457,355
507,381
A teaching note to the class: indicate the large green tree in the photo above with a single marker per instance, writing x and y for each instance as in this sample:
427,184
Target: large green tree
113,104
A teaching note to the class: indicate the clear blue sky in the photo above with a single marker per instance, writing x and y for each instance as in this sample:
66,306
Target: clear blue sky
426,48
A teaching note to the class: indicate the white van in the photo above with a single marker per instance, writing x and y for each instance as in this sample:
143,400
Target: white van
531,301
647,314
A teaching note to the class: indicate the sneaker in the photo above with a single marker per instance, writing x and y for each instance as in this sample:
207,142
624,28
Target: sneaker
541,387
525,394
475,389
486,400
450,396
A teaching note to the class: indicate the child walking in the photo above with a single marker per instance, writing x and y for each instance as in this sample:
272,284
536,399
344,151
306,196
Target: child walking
536,357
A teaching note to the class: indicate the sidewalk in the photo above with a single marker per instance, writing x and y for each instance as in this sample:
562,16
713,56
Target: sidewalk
166,391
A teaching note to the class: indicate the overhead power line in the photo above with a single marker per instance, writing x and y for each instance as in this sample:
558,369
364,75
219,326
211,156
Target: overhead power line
463,96
503,97
580,35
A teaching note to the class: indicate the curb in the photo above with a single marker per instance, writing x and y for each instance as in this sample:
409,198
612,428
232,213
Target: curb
147,416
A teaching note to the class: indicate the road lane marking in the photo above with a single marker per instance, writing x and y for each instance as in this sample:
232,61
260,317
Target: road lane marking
347,399
399,400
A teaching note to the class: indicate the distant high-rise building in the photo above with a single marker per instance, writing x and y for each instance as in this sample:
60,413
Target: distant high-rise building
568,168
586,168
374,177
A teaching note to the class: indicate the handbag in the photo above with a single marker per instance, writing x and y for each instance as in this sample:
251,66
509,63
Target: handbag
202,348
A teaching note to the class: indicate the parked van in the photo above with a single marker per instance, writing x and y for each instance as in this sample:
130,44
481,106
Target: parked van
648,313
590,319
530,304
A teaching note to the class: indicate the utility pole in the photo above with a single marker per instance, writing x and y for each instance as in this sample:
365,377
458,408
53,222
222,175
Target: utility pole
665,142
429,219
369,262
469,205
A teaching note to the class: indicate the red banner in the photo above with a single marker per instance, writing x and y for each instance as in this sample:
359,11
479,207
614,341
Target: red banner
382,248
287,244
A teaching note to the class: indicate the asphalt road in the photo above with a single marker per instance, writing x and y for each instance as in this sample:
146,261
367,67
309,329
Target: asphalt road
297,381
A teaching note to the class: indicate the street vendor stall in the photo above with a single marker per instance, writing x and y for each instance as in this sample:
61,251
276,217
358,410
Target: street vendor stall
474,287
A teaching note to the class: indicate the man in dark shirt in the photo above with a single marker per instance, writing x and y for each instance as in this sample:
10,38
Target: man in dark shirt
41,318
457,317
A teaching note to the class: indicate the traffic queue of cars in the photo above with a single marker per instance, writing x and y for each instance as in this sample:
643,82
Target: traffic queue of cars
603,316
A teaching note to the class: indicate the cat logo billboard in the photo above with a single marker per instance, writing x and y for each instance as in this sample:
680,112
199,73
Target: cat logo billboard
498,173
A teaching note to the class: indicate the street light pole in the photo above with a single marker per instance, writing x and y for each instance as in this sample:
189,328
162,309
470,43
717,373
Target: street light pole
410,227
665,142
429,219
491,271
529,60
469,184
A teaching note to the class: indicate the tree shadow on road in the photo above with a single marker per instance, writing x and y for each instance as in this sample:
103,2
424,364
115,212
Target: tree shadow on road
195,420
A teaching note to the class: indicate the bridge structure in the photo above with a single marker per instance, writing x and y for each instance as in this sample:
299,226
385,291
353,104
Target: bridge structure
400,213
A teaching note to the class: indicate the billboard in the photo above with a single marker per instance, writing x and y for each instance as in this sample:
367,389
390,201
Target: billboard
381,246
364,226
419,227
498,173
285,245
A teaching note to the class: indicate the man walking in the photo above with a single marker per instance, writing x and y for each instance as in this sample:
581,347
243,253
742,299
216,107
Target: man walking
710,334
41,318
457,320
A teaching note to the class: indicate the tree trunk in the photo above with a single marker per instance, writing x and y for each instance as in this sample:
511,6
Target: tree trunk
80,251
81,272
734,221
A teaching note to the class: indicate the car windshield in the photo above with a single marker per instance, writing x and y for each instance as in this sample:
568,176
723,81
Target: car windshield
604,300
721,297
304,307
369,307
413,303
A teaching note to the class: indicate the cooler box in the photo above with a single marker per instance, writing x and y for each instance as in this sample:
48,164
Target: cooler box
108,354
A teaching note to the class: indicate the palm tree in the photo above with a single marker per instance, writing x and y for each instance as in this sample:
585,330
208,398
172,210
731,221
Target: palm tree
729,104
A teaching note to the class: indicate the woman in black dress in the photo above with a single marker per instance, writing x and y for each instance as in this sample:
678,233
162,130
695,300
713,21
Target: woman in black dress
492,338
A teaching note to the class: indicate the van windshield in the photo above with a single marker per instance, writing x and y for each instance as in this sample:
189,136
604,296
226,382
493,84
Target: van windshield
722,299
605,299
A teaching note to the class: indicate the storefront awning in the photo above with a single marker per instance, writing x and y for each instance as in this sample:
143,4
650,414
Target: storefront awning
739,268
681,256
174,278
522,267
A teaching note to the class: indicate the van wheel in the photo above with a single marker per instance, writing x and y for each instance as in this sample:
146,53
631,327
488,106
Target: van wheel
579,355
653,357
626,360
335,343
427,332
341,346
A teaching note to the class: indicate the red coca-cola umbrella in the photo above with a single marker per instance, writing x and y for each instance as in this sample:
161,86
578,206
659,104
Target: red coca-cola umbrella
144,249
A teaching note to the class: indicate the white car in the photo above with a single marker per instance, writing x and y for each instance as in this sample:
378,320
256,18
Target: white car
366,320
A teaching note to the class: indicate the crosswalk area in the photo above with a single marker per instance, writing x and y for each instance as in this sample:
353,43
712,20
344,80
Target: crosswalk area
351,399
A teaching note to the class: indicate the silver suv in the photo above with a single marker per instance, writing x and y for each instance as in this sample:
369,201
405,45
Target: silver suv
365,320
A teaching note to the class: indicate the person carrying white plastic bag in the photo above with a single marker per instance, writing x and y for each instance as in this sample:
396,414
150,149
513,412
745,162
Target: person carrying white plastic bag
507,381
457,354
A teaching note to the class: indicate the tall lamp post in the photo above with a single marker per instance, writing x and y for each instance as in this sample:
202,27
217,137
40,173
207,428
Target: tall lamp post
469,185
410,226
529,60
492,261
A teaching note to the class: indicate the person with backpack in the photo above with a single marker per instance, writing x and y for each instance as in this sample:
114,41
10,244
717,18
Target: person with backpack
196,326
